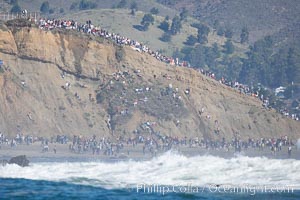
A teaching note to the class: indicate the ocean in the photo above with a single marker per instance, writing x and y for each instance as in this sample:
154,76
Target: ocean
169,176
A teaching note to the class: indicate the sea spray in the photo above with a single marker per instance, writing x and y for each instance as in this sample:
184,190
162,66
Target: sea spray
167,169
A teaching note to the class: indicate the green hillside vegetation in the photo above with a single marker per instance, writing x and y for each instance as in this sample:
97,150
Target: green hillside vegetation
261,17
76,5
122,22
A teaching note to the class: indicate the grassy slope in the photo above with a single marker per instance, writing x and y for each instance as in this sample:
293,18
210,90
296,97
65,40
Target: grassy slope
268,17
143,5
263,18
120,21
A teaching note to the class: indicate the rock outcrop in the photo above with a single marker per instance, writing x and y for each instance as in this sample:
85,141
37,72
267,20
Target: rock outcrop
18,160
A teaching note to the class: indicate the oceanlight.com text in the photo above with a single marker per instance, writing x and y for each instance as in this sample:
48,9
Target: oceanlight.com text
221,189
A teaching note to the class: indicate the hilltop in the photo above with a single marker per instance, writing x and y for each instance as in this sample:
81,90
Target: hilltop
66,82
120,20
277,18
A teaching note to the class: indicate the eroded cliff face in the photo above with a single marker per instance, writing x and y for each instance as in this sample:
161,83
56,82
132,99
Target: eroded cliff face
130,91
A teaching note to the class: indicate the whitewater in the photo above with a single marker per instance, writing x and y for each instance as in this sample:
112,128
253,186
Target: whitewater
168,169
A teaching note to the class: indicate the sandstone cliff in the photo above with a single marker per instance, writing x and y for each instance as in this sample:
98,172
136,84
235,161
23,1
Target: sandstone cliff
116,88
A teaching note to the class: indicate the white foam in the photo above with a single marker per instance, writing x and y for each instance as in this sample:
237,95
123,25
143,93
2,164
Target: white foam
168,169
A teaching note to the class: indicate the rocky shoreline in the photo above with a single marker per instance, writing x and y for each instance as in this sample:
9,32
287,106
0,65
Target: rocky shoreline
20,160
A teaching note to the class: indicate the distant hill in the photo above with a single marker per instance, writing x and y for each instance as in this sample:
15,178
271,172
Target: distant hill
267,17
267,20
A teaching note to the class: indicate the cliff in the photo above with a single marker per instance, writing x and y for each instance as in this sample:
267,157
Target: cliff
116,90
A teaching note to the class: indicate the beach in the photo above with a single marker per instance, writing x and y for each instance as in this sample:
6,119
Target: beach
63,154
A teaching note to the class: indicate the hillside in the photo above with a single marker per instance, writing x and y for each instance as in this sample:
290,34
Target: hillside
116,90
116,19
120,21
279,18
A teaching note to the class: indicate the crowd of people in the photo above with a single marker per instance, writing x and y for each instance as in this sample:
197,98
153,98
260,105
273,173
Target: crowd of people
149,144
90,28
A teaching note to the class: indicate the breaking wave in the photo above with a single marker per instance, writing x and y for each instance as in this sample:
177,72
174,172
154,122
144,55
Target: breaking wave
167,169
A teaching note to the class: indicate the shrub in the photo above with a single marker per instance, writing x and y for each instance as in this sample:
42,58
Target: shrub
166,37
16,9
45,7
191,40
84,5
122,4
154,11
78,68
120,53
51,11
164,26
100,98
146,21
73,6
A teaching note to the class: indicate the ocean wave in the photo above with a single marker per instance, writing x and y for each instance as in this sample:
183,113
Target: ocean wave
168,169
